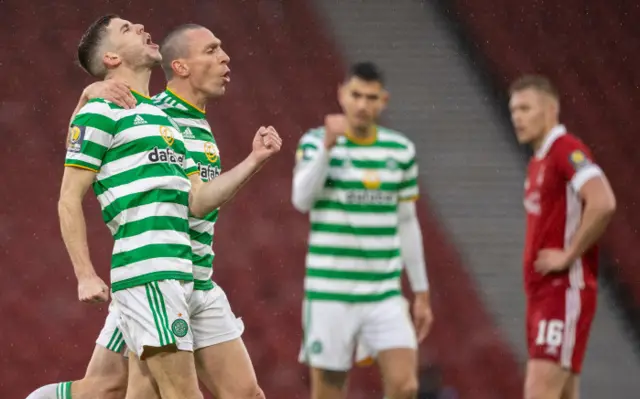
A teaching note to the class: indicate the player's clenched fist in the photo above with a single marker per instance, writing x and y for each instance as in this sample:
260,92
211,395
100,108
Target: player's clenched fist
266,143
335,125
92,289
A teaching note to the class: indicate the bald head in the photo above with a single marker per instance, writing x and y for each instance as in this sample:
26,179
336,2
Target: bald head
176,45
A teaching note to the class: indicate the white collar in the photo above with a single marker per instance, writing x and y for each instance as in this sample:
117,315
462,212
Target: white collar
554,134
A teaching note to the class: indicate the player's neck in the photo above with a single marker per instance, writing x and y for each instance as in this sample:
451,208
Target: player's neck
188,94
362,135
138,80
536,144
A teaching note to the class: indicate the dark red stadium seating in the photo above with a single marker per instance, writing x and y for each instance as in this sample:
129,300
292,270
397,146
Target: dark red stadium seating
590,50
284,72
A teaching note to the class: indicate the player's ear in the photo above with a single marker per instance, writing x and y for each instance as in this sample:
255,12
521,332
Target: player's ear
111,60
342,90
180,68
384,97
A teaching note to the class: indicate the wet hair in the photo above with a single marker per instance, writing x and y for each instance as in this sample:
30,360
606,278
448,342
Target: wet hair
88,56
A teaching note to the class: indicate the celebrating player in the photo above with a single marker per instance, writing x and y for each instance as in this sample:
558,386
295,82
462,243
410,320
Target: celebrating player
124,147
569,203
358,180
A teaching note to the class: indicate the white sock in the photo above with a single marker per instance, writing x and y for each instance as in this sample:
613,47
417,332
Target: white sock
61,390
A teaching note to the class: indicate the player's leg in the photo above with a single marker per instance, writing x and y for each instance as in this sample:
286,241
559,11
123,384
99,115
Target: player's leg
328,344
572,387
141,383
106,375
545,379
558,322
154,320
388,333
227,372
222,361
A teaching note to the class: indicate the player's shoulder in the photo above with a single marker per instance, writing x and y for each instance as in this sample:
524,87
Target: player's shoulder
394,137
313,137
567,144
100,106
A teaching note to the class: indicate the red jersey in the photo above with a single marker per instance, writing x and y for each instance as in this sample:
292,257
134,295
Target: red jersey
556,173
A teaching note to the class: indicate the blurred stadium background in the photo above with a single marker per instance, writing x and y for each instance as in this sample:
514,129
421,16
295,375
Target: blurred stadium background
448,64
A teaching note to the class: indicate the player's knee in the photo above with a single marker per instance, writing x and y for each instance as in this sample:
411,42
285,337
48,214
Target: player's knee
536,389
246,392
259,394
404,389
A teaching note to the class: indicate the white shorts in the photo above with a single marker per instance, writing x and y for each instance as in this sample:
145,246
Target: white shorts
110,336
155,314
332,330
212,320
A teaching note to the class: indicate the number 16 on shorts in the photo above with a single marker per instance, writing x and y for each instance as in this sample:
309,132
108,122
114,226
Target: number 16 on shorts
550,333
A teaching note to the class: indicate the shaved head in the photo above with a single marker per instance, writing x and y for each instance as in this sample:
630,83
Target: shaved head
176,46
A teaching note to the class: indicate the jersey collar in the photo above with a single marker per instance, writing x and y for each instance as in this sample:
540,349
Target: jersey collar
184,102
554,134
141,98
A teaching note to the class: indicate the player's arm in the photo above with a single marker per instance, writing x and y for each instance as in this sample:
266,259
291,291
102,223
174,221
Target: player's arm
599,201
309,175
411,247
312,163
207,197
90,137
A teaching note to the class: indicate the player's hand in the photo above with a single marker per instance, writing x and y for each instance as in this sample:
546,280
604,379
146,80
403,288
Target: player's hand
113,90
422,315
552,260
335,125
92,290
266,143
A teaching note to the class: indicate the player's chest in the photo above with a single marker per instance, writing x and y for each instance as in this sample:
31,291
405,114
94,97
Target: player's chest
540,186
371,168
149,133
204,151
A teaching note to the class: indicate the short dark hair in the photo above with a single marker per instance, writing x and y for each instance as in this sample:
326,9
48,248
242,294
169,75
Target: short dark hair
538,82
89,45
367,71
172,47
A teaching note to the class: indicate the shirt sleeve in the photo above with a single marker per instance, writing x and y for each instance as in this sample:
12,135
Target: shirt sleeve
575,163
91,135
310,173
189,165
408,189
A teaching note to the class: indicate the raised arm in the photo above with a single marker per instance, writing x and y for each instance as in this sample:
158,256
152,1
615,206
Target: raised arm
207,197
312,163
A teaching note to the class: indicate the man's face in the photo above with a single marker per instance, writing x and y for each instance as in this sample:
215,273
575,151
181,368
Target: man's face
131,45
529,110
207,63
362,102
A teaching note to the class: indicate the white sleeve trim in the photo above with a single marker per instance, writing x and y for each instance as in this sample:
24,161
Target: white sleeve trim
309,178
411,246
585,174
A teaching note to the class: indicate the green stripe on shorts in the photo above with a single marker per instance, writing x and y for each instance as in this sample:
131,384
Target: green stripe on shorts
156,317
116,337
163,309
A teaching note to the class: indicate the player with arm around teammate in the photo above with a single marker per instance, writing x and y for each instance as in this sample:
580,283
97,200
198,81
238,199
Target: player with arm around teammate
358,182
115,48
569,203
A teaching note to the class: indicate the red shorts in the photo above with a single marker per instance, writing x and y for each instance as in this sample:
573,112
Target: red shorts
558,324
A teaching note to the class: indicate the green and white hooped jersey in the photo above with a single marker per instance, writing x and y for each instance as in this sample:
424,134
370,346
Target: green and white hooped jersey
354,246
202,147
142,185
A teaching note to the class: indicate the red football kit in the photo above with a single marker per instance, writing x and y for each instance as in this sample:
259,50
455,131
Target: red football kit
560,306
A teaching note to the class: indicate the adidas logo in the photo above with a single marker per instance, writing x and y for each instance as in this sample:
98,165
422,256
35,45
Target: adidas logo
139,120
188,134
